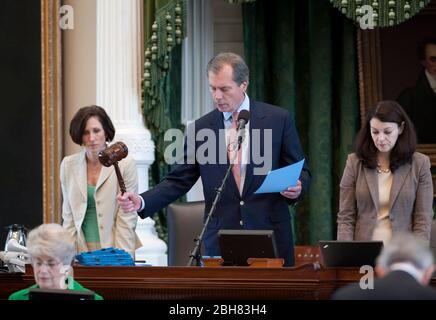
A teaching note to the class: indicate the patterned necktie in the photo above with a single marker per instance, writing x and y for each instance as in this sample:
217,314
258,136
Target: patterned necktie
232,150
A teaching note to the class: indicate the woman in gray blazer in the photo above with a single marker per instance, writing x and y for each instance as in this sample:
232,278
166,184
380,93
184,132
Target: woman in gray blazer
386,186
90,211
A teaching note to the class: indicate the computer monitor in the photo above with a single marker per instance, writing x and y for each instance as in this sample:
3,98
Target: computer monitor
239,245
60,294
349,253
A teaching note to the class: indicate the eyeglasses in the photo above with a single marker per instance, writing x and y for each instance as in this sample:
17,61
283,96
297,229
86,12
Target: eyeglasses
37,263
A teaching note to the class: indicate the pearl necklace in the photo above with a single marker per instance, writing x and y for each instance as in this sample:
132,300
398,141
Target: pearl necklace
381,170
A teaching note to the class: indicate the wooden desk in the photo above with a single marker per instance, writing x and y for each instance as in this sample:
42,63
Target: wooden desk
308,281
161,283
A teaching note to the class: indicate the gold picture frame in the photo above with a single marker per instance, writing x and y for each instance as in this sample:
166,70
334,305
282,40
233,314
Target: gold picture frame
370,73
51,76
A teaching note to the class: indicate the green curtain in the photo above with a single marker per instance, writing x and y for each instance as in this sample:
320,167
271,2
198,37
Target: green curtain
302,57
166,112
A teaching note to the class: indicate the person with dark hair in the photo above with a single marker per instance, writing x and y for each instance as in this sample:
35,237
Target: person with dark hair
386,186
90,211
239,206
404,269
420,100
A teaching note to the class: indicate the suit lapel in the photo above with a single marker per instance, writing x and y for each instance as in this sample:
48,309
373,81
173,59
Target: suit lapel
372,180
398,181
80,174
104,175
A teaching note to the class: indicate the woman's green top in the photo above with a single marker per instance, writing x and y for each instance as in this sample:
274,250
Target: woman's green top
90,224
24,294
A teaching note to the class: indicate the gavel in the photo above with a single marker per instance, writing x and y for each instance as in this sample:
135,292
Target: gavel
110,156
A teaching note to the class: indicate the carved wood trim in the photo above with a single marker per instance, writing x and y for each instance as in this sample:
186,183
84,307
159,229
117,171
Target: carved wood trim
51,108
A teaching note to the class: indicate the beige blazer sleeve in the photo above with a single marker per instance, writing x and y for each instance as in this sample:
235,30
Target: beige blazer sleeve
346,219
74,198
423,209
67,213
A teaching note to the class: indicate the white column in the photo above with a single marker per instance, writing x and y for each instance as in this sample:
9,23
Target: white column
119,68
197,50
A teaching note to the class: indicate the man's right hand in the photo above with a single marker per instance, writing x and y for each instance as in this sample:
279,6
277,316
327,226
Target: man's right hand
129,202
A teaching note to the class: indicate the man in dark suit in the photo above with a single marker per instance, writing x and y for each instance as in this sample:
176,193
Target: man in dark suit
405,267
272,135
420,101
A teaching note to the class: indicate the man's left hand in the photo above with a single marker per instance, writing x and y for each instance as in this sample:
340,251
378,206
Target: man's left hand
292,192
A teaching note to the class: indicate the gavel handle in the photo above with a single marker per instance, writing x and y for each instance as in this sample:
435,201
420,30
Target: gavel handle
120,178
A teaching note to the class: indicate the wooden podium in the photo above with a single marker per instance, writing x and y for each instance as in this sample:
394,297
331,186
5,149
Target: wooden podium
263,280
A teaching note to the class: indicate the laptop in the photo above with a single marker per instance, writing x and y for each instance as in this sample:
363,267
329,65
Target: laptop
238,245
349,253
60,294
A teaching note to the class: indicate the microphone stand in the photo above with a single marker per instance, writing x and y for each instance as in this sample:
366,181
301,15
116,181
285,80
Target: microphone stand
196,252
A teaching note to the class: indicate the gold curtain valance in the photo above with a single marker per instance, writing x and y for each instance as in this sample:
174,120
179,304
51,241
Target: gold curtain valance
386,13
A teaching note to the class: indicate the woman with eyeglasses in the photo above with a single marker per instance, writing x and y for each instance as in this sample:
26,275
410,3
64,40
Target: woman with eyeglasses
51,249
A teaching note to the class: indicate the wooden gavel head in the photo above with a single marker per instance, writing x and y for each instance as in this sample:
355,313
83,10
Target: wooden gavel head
112,154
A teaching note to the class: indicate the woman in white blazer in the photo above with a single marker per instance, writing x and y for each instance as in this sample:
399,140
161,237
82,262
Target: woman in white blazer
90,211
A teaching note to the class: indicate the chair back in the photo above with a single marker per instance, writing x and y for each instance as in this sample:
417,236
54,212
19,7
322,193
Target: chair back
185,221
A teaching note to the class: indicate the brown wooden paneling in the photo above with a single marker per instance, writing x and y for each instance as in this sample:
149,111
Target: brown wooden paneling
308,282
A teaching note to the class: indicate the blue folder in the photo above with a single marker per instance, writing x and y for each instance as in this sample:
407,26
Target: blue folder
280,179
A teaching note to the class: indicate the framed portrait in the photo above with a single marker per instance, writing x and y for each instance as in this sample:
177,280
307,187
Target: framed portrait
389,66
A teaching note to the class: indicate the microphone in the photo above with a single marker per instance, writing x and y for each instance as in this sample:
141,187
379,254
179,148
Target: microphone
243,118
110,156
